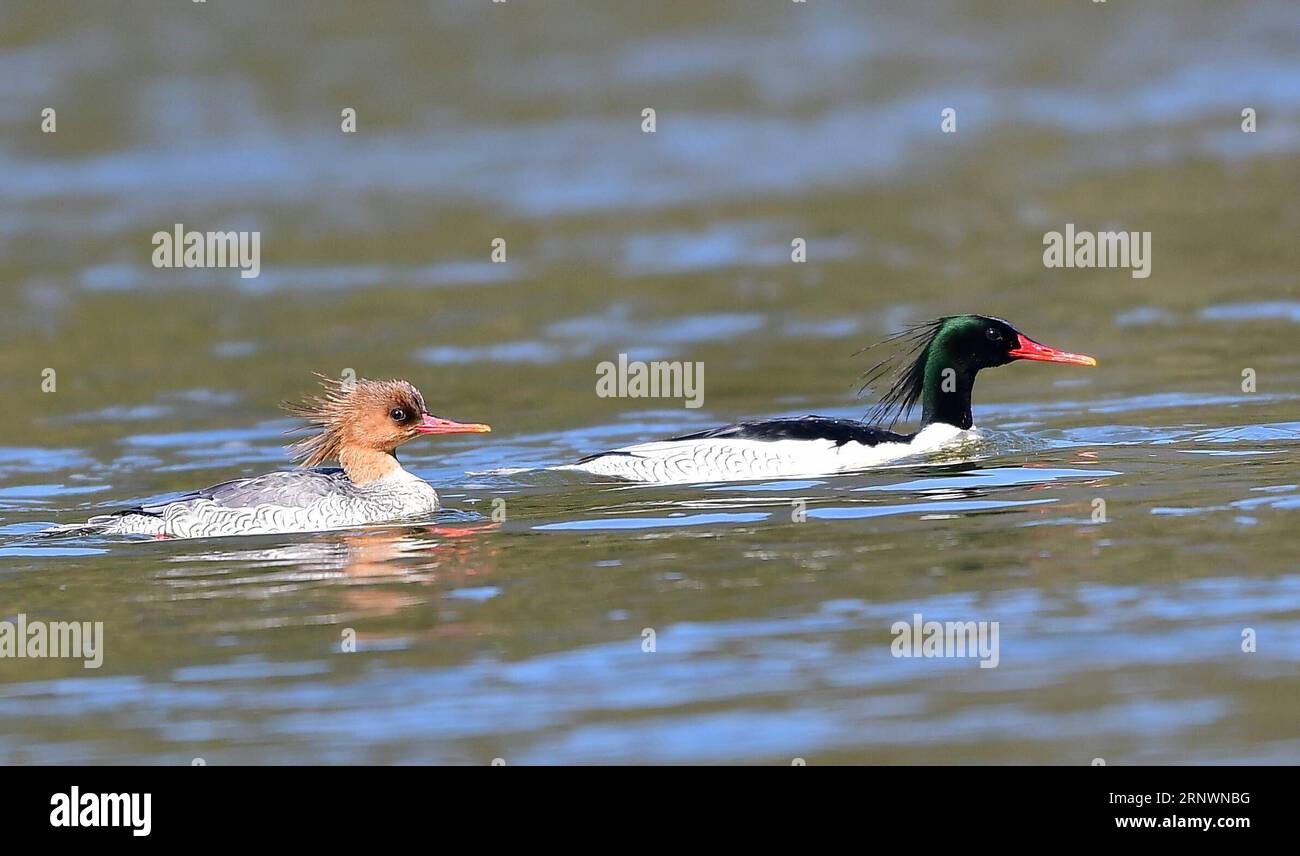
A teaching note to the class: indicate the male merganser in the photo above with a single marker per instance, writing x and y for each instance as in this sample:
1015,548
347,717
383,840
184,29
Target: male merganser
360,425
939,371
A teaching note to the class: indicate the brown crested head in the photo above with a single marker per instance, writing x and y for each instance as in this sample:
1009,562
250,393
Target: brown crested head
365,416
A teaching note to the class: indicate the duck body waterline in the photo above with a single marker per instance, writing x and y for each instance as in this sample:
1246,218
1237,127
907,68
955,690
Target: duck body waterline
939,374
360,425
313,500
768,449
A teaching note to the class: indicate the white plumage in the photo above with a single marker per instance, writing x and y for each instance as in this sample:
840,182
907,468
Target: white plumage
735,459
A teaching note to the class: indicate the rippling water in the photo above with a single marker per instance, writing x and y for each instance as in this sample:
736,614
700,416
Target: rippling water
771,603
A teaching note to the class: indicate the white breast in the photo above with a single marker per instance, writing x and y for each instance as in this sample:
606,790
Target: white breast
730,459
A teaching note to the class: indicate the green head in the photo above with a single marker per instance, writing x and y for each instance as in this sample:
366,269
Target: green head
949,353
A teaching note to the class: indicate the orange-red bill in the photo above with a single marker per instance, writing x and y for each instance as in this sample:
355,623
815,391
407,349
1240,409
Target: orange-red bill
430,424
1028,349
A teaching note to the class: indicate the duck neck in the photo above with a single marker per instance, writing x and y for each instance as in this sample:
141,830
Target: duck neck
946,391
364,466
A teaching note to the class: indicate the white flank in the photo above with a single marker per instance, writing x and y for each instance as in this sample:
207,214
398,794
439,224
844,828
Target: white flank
728,459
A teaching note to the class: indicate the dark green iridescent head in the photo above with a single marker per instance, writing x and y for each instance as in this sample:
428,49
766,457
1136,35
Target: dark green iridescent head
941,362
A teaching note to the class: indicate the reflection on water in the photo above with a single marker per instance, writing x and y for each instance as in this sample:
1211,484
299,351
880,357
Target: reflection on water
1124,525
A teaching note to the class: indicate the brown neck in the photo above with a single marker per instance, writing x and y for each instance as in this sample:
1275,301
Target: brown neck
365,465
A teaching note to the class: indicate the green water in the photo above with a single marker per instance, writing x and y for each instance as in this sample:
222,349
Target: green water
771,604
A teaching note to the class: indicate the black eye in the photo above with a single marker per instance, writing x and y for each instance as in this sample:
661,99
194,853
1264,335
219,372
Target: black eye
397,414
994,334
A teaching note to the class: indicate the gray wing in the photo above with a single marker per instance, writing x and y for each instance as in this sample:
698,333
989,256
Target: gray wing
289,489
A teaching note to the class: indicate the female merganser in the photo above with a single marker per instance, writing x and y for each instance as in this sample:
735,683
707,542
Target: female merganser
939,371
360,425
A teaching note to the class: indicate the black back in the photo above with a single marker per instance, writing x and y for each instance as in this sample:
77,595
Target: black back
839,431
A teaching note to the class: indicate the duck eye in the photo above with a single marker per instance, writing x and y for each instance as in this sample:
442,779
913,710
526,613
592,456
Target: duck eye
397,414
994,334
